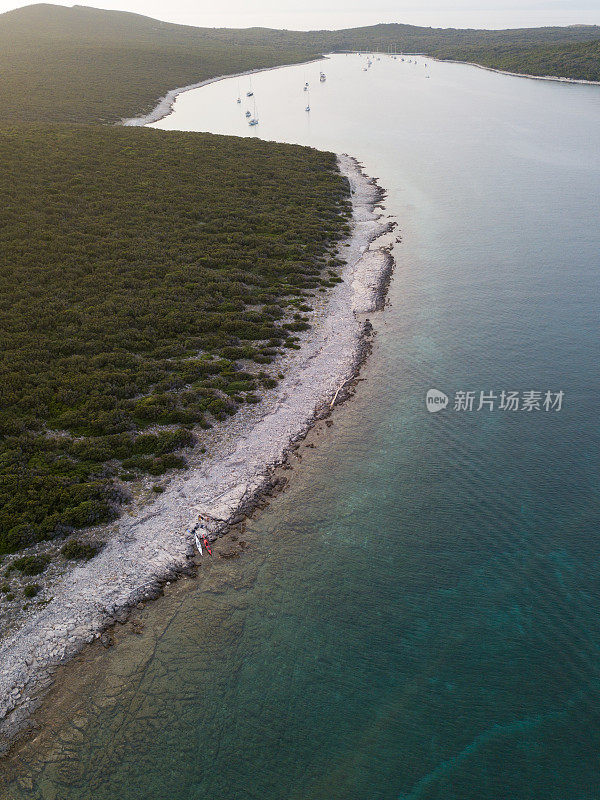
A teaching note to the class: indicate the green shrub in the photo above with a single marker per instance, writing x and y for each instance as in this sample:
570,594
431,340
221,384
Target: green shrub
240,386
297,326
30,565
77,550
19,537
128,476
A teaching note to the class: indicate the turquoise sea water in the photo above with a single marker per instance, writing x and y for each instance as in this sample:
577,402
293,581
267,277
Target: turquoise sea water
416,617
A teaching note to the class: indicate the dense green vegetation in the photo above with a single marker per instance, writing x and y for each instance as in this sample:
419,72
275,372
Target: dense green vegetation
76,550
147,279
85,65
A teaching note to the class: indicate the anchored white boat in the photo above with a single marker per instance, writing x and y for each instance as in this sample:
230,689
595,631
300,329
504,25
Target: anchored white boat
254,120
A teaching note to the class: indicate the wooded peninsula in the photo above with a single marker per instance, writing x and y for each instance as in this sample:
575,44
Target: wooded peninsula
145,281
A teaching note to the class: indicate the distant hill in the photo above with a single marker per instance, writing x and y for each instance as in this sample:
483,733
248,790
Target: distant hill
570,52
84,65
88,65
411,38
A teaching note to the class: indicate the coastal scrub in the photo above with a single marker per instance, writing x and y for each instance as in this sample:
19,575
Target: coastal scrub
148,278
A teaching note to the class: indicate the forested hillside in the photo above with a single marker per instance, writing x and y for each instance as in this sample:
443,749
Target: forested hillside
145,278
80,64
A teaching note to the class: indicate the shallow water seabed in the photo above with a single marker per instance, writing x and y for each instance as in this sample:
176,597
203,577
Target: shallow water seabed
416,615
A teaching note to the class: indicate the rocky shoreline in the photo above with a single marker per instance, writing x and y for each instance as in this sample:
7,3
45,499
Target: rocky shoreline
154,547
555,78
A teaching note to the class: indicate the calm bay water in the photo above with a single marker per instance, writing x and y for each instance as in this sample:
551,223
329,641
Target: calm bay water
417,616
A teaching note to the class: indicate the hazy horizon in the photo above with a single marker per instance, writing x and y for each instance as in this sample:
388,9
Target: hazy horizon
337,14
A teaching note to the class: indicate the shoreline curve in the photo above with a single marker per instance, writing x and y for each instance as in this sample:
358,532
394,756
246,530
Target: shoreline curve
556,78
164,105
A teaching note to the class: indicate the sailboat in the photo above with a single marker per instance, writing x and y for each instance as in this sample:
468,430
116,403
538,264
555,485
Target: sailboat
308,106
254,120
322,77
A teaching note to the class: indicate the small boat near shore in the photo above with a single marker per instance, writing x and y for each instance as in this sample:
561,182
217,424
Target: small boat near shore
254,120
206,543
202,539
